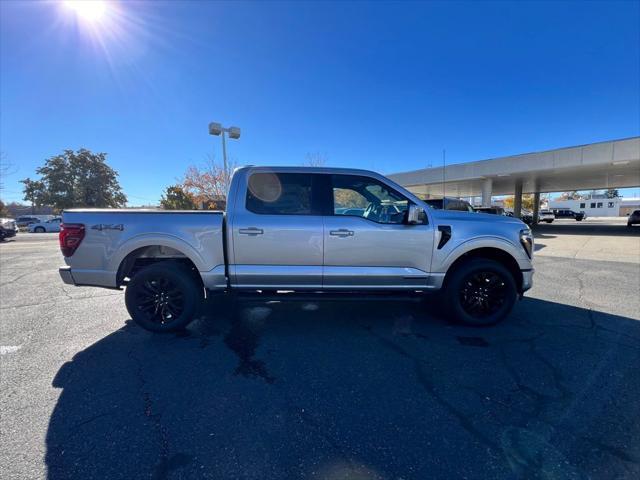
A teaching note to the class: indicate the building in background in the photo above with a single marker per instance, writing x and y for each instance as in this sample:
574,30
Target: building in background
599,205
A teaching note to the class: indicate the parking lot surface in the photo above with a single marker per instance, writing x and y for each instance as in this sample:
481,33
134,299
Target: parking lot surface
327,388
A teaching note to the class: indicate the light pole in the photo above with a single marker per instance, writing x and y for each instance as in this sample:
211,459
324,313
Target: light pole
234,133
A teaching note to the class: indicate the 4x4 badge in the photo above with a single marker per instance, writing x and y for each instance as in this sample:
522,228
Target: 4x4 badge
102,226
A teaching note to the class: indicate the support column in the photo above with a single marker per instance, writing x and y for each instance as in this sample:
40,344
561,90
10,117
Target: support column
517,200
536,207
487,191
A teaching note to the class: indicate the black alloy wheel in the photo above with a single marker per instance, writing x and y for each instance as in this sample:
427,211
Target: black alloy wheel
160,300
480,292
483,293
164,297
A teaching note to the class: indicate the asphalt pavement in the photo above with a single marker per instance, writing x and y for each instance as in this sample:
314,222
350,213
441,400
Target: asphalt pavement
328,388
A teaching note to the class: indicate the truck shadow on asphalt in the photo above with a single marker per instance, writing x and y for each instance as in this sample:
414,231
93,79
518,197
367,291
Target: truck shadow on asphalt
354,389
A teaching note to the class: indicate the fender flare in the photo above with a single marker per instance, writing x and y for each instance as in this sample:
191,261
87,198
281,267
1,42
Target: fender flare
149,240
496,243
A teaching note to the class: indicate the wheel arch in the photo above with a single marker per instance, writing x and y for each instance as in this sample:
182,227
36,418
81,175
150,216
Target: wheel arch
490,253
144,252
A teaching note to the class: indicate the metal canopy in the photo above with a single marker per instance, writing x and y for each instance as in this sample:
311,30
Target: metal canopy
611,164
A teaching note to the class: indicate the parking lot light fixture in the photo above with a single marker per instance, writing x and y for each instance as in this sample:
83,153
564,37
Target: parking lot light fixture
217,129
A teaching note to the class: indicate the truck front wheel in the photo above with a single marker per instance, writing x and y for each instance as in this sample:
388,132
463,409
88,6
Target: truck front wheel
164,297
480,292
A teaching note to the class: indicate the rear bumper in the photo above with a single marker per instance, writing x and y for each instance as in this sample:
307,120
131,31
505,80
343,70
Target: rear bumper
65,274
88,278
7,233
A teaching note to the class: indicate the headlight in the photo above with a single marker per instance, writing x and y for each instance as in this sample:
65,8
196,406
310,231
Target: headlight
526,239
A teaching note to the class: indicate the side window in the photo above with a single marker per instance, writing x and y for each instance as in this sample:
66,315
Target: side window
599,205
582,205
367,198
279,194
593,205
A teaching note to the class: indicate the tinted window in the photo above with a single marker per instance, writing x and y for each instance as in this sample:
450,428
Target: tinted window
279,193
368,198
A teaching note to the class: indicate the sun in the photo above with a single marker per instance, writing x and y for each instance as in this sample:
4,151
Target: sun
92,11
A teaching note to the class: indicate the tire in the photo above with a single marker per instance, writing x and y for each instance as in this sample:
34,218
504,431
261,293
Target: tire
39,230
549,221
182,296
466,294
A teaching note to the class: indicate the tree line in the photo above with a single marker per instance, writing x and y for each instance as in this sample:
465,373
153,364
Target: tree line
84,179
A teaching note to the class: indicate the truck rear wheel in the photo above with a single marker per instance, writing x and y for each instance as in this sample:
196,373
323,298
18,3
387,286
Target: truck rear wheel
480,292
164,297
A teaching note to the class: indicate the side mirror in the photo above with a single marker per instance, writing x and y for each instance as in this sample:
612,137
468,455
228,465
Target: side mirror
415,215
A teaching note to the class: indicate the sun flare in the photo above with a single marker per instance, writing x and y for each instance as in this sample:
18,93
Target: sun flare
92,11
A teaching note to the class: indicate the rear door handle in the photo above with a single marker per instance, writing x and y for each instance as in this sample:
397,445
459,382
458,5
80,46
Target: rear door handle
343,232
253,231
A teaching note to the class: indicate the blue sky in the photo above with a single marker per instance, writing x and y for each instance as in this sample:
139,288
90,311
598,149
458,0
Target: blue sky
384,86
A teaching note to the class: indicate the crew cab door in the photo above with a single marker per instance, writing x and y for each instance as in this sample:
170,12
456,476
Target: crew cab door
277,232
367,241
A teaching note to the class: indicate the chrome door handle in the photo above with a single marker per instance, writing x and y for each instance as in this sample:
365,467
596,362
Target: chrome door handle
253,231
343,232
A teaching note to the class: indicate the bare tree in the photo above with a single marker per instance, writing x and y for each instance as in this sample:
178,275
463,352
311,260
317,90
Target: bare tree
316,159
6,169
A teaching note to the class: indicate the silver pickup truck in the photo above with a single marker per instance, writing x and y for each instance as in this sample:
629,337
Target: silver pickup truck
301,229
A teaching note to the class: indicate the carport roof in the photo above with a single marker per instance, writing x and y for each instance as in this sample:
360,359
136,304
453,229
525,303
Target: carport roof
610,164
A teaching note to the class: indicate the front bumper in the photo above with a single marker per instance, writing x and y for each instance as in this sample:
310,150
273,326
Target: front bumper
527,279
7,233
65,274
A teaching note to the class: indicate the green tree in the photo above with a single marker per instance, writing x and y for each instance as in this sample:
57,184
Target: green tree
613,193
75,179
34,193
175,198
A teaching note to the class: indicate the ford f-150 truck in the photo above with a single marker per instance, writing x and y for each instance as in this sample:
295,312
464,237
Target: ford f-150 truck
301,229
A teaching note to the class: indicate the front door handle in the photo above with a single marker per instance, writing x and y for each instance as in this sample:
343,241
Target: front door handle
253,231
343,232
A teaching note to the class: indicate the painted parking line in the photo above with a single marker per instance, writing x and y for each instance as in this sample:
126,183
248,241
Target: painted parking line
5,349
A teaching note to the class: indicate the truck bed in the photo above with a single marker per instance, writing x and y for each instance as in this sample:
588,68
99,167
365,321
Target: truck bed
113,234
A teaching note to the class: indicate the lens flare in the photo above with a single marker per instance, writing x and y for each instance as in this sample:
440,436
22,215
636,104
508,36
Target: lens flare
92,11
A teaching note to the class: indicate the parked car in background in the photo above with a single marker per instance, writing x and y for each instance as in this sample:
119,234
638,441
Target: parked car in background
525,215
634,218
24,221
52,225
8,228
546,216
450,204
491,210
566,213
282,231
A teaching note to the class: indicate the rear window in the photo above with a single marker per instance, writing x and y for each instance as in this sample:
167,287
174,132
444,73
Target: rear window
279,193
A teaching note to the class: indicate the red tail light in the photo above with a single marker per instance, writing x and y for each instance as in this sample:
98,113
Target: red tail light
71,235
